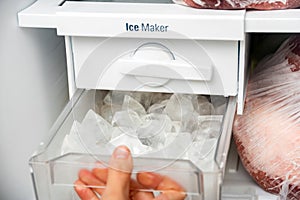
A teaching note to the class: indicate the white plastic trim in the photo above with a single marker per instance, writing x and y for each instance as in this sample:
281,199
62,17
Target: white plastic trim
41,14
70,67
275,21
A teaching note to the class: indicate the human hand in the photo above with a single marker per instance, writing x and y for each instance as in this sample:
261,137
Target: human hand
119,185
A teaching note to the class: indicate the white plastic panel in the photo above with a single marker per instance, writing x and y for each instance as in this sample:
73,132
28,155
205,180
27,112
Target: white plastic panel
275,21
70,67
148,20
244,71
41,14
213,65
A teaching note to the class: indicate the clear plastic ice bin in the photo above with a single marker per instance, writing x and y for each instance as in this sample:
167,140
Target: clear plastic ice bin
54,172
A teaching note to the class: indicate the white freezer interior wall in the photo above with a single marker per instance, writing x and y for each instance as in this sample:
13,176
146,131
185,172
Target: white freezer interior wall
33,91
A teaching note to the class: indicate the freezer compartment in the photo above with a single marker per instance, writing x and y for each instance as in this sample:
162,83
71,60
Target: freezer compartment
199,169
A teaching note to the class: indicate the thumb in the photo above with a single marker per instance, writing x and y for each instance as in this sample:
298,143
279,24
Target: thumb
118,180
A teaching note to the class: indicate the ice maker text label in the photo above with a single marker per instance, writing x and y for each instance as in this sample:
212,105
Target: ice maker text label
146,27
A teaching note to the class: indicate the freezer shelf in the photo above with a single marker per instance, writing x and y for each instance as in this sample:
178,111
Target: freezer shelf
54,172
44,14
274,21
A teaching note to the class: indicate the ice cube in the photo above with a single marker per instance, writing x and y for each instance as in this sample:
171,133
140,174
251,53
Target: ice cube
202,105
99,94
131,104
174,149
164,119
220,110
176,126
209,127
115,97
199,99
205,108
219,103
154,128
117,131
179,106
132,142
107,99
156,108
190,123
72,142
144,98
94,130
171,136
218,100
160,97
127,118
108,111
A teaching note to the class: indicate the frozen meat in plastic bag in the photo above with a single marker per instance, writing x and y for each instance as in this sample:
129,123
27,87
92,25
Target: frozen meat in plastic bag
268,133
241,4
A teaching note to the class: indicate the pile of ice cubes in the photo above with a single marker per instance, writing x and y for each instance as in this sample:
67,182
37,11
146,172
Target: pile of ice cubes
160,125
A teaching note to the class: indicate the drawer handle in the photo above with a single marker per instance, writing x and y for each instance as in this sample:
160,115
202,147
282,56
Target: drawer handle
147,67
154,44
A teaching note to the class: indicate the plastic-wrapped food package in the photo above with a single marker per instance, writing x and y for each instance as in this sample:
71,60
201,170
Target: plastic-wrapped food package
241,4
268,133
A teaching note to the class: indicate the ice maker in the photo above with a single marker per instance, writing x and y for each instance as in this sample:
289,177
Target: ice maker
151,47
126,27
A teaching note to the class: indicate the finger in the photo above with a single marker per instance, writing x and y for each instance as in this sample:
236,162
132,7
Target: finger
171,189
171,195
143,196
161,197
136,194
157,181
89,179
83,192
134,185
119,173
169,184
149,179
101,174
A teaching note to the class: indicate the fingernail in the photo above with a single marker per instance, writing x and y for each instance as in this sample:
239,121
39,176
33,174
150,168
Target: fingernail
121,153
79,186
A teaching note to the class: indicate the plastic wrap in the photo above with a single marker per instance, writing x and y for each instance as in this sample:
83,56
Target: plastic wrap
241,4
268,133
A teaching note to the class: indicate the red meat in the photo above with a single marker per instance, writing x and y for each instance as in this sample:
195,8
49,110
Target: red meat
244,4
268,133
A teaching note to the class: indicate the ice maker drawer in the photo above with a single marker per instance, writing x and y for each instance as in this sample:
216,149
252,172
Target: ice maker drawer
54,169
156,65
